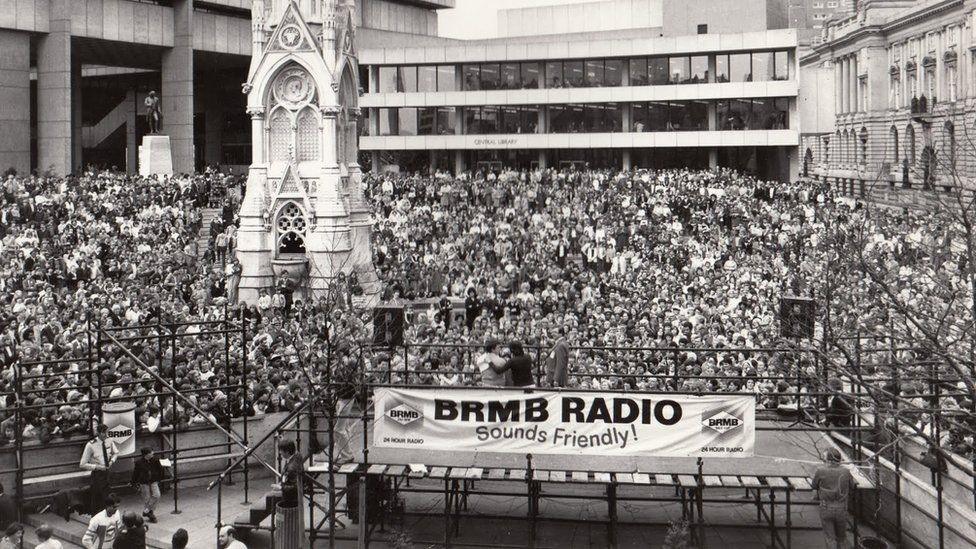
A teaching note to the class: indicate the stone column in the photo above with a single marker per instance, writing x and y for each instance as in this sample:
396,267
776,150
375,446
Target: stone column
15,101
77,146
543,159
131,143
254,247
54,92
626,159
838,85
855,92
458,162
177,91
713,158
845,79
375,161
329,245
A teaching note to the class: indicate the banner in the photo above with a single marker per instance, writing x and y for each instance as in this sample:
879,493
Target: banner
120,418
548,422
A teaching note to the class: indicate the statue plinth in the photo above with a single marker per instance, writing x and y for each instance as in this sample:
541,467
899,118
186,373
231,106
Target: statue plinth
155,156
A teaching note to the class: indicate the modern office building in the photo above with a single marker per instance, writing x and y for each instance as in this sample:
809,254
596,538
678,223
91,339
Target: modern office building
901,109
617,99
810,16
74,73
704,82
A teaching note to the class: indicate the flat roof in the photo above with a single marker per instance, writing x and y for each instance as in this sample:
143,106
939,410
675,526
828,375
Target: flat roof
629,43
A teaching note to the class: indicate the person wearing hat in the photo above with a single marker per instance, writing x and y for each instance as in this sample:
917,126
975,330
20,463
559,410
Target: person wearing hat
98,457
832,486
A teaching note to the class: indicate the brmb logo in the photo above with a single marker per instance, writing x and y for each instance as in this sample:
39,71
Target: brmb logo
403,414
720,421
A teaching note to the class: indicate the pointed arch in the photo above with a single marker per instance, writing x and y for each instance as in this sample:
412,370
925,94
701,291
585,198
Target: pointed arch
291,229
280,135
308,149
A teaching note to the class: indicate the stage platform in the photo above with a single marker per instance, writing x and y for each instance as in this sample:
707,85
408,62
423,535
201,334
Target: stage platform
779,453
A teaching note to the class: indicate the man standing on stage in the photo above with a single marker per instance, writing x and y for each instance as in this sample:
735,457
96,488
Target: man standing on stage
557,370
833,485
98,457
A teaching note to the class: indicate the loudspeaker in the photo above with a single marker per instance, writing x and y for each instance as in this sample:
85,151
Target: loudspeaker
388,326
797,317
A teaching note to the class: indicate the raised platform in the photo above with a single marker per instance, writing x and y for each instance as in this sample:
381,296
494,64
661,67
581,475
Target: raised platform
155,156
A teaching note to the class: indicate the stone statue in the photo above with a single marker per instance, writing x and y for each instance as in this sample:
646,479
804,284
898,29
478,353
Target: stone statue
153,115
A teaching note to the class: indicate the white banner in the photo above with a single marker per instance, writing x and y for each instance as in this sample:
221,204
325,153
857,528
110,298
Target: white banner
548,422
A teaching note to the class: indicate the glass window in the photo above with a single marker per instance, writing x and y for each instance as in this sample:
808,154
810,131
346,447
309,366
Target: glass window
388,80
762,66
657,116
530,75
782,63
721,68
490,76
472,120
687,116
528,119
554,74
489,120
446,120
445,79
782,109
638,72
638,115
722,115
509,119
740,69
613,118
699,69
658,71
407,76
567,119
740,114
427,78
407,121
573,74
427,121
388,122
511,76
680,70
472,77
594,73
613,72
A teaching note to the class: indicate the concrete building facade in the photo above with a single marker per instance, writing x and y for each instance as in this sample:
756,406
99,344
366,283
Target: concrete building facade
619,99
73,73
902,106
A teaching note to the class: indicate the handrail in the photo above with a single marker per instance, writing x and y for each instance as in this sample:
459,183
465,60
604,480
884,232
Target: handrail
142,365
249,451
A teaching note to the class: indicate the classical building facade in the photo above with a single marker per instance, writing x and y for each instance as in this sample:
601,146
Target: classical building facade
902,107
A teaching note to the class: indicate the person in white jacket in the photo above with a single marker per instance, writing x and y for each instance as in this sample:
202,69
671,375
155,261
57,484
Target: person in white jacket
104,525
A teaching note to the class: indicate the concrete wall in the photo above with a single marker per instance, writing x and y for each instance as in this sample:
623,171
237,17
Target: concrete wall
25,15
722,16
582,17
221,34
392,16
122,20
70,452
816,100
15,101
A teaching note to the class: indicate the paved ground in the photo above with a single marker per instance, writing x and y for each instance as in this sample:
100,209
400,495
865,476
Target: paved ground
729,522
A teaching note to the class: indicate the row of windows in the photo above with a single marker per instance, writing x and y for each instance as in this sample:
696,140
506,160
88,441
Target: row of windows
587,73
655,116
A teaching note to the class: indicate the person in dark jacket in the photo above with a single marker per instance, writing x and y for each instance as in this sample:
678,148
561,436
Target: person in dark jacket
146,474
840,413
8,509
133,533
520,364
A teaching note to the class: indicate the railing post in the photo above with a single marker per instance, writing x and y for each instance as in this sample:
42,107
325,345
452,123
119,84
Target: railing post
246,407
174,451
19,434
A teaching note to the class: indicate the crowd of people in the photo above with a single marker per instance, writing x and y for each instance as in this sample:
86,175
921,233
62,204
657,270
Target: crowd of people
628,271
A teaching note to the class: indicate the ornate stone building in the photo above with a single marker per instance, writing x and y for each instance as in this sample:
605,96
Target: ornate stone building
304,219
903,98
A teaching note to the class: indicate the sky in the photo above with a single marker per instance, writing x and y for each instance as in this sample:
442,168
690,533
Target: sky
472,19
